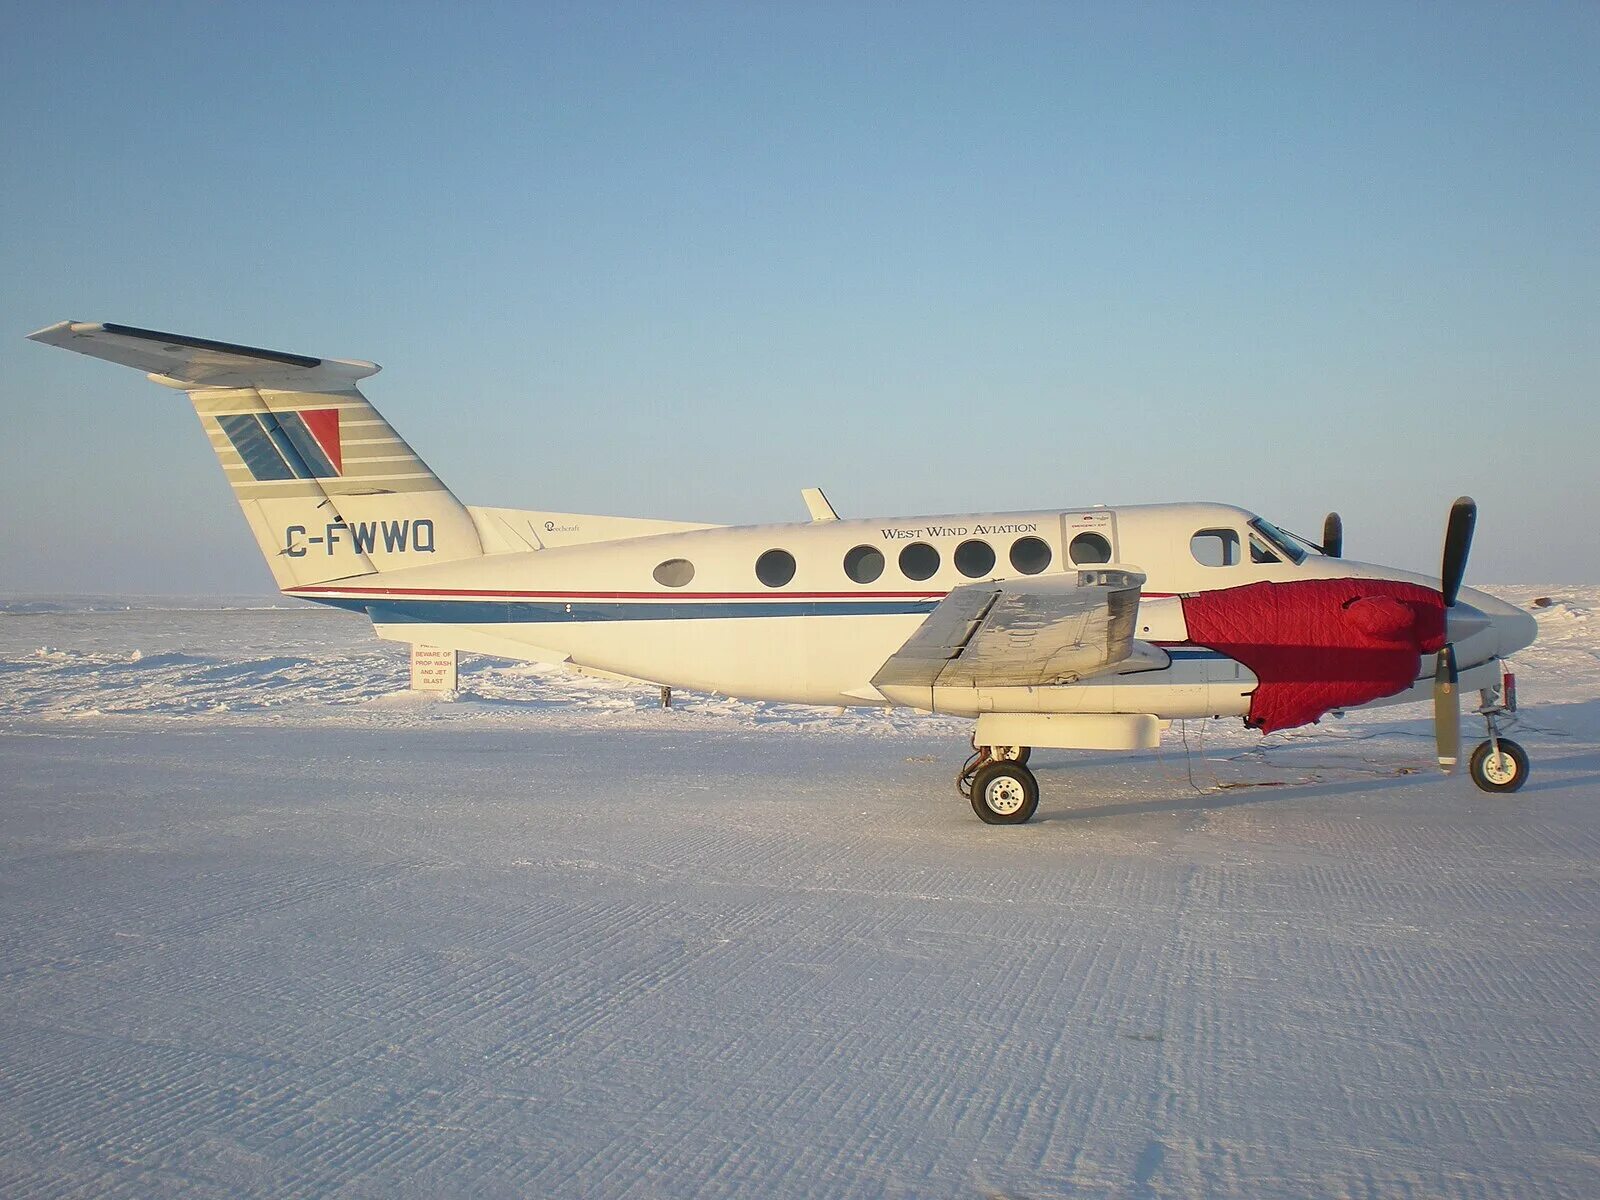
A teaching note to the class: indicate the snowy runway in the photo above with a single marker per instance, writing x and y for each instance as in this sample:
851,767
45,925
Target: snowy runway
266,930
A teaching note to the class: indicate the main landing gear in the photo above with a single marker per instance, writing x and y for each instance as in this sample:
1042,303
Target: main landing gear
1499,764
997,781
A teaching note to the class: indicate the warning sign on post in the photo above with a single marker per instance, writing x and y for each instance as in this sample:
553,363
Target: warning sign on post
433,669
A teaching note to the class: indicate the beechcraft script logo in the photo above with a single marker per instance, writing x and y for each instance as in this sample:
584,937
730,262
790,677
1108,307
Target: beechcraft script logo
287,445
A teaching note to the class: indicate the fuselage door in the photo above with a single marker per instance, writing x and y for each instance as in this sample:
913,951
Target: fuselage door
1089,537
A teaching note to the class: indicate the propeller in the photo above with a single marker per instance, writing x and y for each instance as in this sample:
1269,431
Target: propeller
1457,543
1446,679
1447,709
1333,535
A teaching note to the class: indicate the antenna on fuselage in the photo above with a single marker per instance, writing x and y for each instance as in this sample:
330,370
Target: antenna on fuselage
817,505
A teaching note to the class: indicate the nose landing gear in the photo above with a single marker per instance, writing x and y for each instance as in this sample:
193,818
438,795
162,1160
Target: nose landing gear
1499,764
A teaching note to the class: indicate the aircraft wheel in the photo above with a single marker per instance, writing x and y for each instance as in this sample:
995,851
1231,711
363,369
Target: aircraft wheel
1503,772
1016,754
1004,793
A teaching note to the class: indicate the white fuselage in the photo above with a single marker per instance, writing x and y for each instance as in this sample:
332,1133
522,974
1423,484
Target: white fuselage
819,636
346,513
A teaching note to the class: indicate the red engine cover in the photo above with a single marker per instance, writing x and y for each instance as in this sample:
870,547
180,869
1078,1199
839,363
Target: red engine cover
1319,644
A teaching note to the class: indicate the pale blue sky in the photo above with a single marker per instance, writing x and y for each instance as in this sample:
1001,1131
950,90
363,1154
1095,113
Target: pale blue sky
682,260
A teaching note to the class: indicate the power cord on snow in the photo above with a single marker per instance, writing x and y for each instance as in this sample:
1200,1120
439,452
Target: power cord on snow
1216,784
1188,760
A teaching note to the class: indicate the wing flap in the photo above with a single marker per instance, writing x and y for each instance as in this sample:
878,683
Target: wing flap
1021,633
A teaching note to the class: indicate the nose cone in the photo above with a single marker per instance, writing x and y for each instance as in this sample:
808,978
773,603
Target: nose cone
1465,621
1517,630
1514,628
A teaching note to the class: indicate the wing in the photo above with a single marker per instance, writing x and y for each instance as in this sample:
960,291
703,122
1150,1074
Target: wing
1020,633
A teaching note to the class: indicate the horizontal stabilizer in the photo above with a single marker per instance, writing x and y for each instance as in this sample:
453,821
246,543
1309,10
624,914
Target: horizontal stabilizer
191,362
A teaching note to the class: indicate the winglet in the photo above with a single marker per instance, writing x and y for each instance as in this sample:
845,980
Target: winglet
817,505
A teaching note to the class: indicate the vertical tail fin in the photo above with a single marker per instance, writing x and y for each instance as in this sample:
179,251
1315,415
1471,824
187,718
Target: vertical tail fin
329,489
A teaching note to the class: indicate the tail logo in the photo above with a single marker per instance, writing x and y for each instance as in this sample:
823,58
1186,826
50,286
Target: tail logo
287,445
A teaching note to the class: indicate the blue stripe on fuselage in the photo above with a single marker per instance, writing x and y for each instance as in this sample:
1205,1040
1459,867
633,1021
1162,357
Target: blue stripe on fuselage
401,610
388,610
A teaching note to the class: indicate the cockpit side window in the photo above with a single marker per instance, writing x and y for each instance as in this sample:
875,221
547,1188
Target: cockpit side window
1215,547
1290,546
1260,552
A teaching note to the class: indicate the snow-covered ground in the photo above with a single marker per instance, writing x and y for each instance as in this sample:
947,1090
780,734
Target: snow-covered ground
271,926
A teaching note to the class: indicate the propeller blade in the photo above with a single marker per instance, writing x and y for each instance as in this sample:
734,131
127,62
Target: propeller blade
1447,709
1457,544
1333,536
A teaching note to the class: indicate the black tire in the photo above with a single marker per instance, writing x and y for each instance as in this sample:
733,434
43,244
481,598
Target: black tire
1005,793
1492,776
1023,753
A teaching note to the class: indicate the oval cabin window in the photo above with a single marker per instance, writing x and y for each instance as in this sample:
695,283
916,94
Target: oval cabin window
1089,548
775,568
1030,555
675,572
919,561
974,559
864,564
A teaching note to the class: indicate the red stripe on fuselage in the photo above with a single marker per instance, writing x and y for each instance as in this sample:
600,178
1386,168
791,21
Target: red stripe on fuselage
513,594
516,594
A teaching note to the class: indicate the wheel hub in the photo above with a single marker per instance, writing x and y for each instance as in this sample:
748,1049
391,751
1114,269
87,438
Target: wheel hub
1500,768
1004,795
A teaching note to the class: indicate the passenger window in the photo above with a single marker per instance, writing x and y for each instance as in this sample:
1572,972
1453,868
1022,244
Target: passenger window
919,561
1030,555
675,572
864,564
1215,547
974,559
775,568
1089,548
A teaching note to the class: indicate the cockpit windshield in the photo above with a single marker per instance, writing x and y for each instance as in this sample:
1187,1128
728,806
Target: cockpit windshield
1293,548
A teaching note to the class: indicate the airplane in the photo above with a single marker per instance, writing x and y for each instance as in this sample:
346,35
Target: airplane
1068,628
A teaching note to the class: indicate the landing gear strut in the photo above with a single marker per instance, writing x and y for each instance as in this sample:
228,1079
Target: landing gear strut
1499,764
997,781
